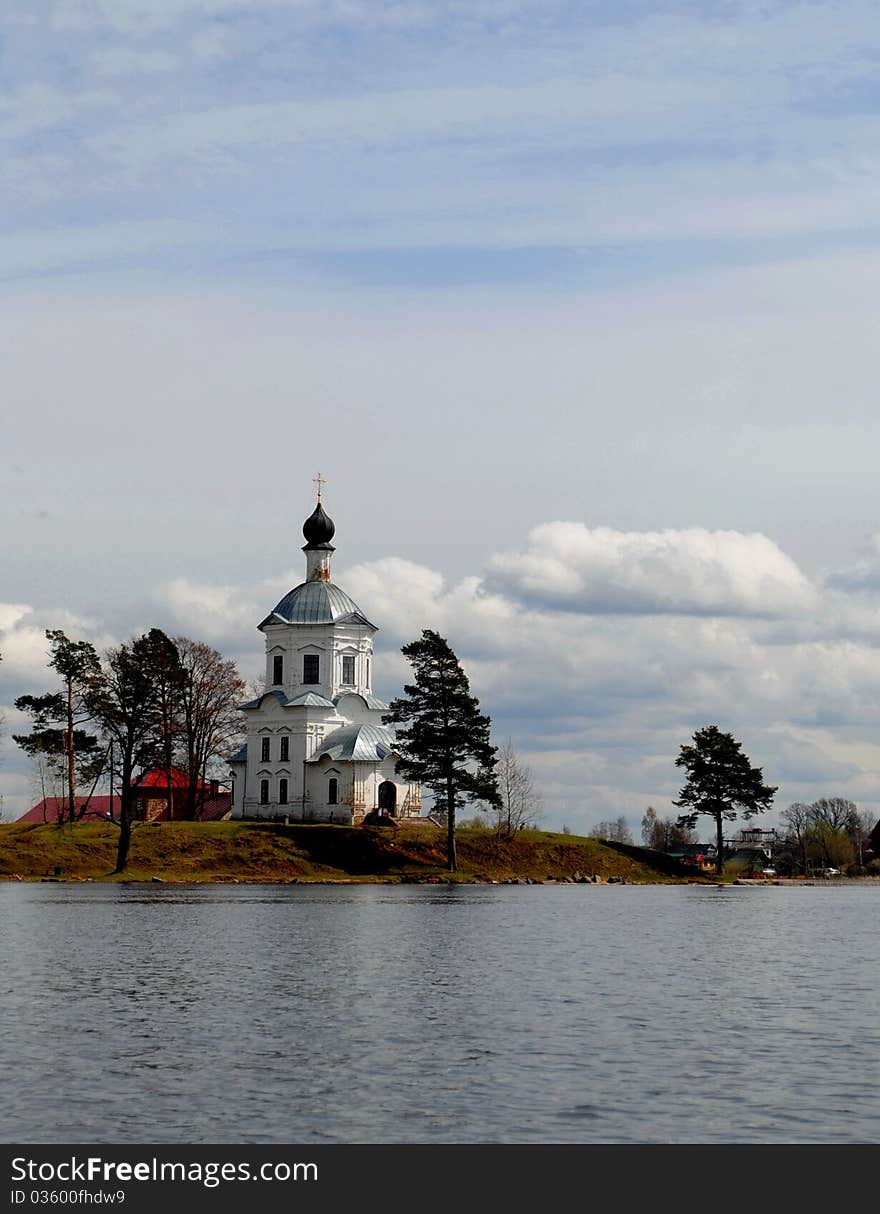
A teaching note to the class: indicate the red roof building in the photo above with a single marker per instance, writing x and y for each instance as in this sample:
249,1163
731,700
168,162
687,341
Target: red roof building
152,801
150,798
53,809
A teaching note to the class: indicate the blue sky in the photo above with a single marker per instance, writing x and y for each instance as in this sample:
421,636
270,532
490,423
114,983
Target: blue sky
433,142
573,304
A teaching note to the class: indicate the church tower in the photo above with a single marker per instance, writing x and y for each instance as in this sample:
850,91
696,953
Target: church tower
316,748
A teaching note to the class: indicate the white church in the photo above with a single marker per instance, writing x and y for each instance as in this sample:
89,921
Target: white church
316,748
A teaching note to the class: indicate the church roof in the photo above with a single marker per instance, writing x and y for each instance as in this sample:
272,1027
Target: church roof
279,696
310,699
306,699
319,529
316,602
362,743
371,701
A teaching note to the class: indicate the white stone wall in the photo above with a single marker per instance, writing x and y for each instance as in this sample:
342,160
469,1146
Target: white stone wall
330,642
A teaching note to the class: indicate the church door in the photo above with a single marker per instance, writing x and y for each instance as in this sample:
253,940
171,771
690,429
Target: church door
388,798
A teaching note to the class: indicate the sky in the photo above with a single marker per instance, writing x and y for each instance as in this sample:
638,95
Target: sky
573,304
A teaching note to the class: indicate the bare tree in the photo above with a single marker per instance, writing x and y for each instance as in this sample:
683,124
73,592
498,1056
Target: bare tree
832,831
650,824
615,832
665,834
836,813
124,704
520,801
212,723
863,824
798,820
255,687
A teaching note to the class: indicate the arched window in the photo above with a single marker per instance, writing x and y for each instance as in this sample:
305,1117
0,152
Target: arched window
333,791
282,791
264,792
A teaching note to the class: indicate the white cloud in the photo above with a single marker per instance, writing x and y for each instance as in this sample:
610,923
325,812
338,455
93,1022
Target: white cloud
11,613
862,574
597,701
211,613
694,571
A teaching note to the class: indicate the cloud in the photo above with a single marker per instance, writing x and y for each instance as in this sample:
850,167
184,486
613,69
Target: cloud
570,566
212,613
597,697
862,574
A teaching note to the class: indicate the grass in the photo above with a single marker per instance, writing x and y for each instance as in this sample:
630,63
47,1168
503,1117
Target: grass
270,852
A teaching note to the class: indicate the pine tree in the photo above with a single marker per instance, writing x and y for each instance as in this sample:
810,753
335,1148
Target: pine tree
721,780
58,716
442,737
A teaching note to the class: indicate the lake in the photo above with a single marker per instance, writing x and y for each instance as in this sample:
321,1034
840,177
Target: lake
376,1013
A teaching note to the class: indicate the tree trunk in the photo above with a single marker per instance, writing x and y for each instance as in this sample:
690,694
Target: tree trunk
71,758
451,858
124,835
719,860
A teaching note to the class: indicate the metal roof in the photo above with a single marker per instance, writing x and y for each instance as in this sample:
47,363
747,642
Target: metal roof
306,699
361,743
279,696
309,699
316,602
371,701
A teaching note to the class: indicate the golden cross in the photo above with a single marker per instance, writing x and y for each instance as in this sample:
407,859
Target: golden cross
320,482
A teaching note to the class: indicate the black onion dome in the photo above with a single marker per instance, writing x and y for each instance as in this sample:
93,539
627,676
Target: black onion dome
319,528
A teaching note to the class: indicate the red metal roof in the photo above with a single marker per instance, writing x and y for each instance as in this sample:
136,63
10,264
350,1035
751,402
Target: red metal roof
157,778
51,808
216,808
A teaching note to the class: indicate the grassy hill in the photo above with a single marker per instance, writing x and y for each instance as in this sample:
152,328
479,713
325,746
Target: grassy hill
249,851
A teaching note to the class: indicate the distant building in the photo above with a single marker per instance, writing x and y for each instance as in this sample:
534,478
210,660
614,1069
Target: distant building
317,750
213,804
53,809
150,802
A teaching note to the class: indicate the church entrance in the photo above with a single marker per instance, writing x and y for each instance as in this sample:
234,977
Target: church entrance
387,798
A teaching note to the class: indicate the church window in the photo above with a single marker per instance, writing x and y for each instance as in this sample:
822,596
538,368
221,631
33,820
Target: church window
285,749
282,792
278,670
264,750
368,672
264,792
333,791
311,668
348,670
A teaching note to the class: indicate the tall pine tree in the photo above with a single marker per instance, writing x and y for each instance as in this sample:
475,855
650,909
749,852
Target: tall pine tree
442,737
58,736
720,781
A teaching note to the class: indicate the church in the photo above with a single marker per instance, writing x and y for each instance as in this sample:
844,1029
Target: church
316,748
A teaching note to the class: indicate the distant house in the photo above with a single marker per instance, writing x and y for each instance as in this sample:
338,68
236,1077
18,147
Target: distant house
150,801
52,809
213,804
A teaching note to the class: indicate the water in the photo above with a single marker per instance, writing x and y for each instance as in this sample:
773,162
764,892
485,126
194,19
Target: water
272,1014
